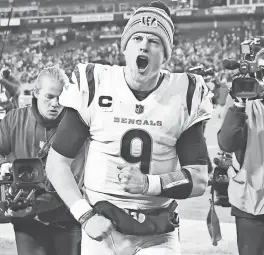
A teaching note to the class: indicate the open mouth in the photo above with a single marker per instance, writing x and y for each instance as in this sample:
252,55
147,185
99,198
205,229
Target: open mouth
142,63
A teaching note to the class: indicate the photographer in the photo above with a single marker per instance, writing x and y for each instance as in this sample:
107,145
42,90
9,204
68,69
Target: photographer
28,133
242,132
9,90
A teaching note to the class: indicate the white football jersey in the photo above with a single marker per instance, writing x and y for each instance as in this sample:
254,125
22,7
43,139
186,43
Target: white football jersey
126,130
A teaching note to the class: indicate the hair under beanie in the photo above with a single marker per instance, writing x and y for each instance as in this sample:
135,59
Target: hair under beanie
151,20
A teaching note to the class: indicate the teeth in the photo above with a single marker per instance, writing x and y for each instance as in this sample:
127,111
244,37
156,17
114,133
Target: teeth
143,58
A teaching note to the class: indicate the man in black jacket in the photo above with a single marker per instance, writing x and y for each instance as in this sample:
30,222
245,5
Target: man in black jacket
26,133
242,134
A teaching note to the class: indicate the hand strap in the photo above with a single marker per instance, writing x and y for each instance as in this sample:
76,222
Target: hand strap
85,217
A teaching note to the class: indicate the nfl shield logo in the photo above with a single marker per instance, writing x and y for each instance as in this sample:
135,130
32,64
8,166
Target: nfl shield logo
139,108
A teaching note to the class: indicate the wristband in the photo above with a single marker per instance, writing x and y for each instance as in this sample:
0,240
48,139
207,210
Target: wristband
85,217
154,185
177,185
79,208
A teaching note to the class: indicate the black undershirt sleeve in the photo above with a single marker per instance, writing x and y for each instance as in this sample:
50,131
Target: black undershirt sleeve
71,134
191,146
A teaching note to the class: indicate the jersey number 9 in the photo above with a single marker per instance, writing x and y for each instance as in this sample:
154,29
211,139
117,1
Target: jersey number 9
144,158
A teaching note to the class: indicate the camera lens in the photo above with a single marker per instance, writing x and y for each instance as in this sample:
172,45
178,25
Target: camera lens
244,67
26,174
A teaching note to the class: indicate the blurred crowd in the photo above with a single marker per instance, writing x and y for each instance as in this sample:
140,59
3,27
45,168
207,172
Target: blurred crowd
62,7
67,48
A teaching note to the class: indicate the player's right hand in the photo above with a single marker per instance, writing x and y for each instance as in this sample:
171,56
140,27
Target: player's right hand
5,169
98,227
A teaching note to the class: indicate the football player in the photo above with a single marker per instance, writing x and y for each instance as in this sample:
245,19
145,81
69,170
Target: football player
147,147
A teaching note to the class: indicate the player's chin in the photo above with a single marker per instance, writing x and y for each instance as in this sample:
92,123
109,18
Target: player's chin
52,115
141,77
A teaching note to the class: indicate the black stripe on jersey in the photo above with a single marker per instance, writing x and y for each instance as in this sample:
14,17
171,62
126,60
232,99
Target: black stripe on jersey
70,77
202,93
90,81
190,92
76,71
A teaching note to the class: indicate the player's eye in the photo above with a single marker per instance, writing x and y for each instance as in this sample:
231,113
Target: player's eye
49,97
153,41
137,38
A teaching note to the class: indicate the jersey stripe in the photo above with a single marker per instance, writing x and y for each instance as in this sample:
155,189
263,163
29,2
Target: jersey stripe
90,81
76,72
190,92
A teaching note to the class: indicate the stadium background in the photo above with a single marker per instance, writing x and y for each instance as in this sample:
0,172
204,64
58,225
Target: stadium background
39,33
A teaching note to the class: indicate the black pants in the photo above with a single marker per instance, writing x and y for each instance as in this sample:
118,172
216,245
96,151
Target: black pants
33,237
250,236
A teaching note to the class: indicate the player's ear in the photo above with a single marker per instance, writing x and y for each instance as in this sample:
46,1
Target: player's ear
164,58
35,92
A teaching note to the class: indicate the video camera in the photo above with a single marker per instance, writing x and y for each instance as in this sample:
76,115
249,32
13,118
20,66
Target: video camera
248,83
220,179
19,189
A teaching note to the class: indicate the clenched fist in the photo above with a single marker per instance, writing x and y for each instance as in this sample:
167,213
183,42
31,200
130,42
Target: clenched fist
132,179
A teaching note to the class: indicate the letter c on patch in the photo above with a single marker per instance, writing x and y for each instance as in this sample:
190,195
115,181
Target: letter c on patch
105,101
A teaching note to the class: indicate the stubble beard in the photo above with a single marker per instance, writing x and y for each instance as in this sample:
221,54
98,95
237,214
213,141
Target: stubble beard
142,77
